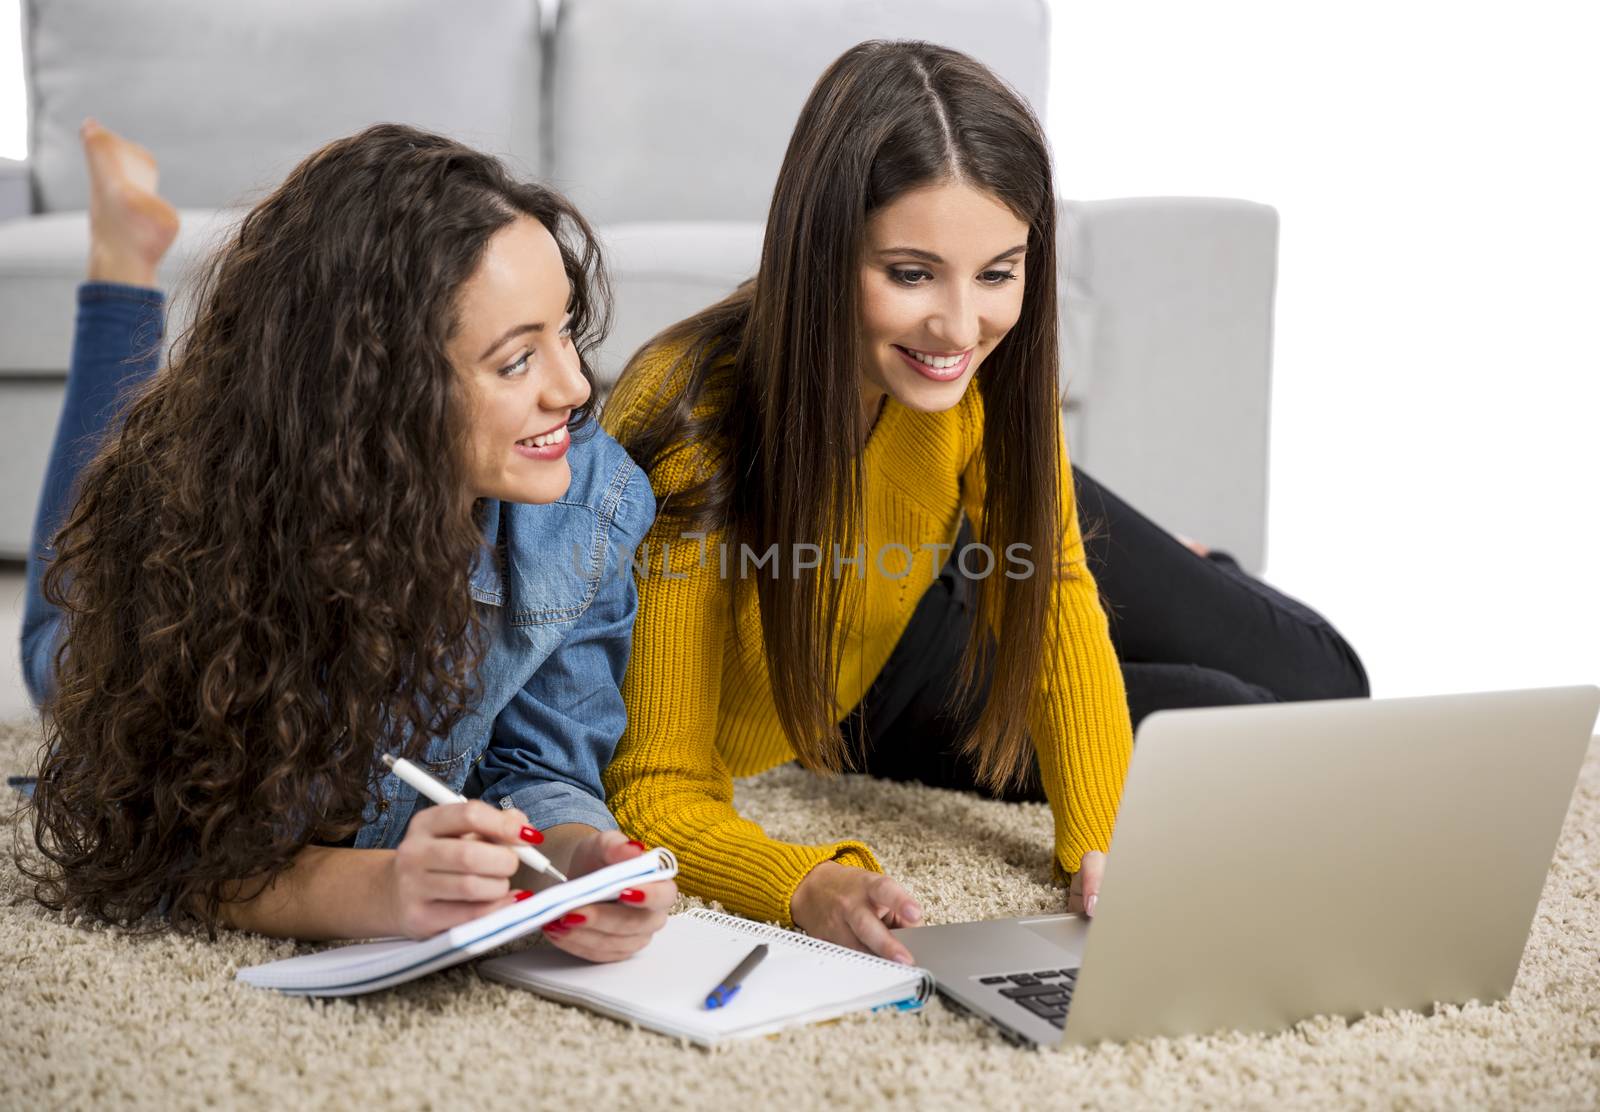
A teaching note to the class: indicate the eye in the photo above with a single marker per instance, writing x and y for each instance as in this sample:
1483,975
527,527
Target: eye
566,328
908,277
998,277
518,368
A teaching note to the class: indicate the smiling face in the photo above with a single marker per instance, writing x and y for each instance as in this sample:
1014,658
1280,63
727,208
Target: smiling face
519,368
941,285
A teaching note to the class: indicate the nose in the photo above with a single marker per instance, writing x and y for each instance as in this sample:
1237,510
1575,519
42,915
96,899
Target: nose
955,324
566,388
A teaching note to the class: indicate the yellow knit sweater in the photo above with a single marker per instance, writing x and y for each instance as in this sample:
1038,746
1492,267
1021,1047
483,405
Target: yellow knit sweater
700,709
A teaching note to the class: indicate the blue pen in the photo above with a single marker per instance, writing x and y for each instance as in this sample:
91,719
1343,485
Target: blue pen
730,984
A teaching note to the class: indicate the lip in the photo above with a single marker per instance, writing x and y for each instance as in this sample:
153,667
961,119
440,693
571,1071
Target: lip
946,374
549,451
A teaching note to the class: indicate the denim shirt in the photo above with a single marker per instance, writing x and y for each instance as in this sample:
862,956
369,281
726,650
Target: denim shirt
558,599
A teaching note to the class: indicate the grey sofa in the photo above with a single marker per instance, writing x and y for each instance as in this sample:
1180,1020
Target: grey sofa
665,122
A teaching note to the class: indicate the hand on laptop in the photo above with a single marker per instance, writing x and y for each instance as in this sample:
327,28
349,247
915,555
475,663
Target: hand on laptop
855,908
1086,884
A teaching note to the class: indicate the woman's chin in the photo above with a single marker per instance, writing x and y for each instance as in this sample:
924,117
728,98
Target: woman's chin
927,396
538,490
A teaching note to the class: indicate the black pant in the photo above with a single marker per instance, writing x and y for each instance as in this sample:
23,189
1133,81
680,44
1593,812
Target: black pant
1189,631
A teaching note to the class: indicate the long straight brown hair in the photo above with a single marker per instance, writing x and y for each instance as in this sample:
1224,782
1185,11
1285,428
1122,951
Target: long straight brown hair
770,377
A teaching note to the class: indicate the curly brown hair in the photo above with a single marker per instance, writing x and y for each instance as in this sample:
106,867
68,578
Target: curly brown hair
265,574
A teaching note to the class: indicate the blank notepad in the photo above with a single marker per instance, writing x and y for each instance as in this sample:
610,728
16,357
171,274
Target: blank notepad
664,986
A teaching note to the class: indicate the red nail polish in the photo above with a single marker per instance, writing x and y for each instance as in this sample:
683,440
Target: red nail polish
572,919
522,894
529,834
631,895
554,928
637,844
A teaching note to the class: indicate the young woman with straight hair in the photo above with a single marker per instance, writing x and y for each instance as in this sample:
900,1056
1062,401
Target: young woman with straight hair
882,393
340,522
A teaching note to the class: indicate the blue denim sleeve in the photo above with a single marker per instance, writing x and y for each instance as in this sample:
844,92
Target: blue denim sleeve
553,740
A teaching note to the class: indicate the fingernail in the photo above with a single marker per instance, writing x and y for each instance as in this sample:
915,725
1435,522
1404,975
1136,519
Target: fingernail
554,928
903,959
912,914
637,844
1088,906
529,834
631,895
521,894
572,919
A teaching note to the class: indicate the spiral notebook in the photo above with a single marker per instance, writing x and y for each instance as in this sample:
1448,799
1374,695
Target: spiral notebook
369,966
663,987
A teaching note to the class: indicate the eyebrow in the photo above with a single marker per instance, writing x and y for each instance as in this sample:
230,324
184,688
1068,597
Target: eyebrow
517,331
929,256
521,328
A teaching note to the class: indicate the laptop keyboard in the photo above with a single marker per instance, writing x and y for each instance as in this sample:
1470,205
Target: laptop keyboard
1047,993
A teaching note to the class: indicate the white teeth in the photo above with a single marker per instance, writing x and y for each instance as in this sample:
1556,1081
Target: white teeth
545,440
937,362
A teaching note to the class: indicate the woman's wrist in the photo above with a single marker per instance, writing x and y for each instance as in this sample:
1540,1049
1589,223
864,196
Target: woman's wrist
383,894
801,904
328,892
348,893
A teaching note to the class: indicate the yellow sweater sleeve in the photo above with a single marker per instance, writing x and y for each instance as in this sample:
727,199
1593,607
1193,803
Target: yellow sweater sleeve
667,784
1078,718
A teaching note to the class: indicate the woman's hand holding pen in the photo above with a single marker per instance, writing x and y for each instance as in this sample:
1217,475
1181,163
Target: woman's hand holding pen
610,931
855,908
454,865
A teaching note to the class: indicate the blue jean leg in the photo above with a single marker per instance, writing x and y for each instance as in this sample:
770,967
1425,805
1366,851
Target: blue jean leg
116,347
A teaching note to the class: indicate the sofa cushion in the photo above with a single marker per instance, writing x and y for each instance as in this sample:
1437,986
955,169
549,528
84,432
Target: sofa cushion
42,260
229,99
686,115
662,273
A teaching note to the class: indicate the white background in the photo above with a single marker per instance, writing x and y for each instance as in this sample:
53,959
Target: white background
1434,473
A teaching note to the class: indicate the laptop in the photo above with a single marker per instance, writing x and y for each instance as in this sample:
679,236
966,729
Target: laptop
1276,862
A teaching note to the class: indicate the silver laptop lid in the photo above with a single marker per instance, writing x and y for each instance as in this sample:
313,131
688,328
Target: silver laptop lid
1275,862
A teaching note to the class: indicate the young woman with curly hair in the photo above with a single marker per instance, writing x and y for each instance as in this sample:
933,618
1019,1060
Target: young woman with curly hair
361,510
884,391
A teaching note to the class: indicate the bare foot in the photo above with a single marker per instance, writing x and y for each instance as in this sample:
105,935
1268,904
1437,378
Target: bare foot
130,226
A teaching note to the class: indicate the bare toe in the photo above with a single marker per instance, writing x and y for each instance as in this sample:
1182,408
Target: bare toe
113,158
130,225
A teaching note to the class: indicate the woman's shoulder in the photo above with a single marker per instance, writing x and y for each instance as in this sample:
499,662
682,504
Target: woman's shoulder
654,382
653,379
606,481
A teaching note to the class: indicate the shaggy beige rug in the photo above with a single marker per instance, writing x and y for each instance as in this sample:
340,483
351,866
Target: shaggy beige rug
97,1019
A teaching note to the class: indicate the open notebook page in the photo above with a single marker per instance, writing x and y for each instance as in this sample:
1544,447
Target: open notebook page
664,986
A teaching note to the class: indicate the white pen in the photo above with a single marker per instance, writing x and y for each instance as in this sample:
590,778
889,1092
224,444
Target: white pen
420,779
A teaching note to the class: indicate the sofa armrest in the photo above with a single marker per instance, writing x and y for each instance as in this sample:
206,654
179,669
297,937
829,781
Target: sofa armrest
1166,358
16,189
